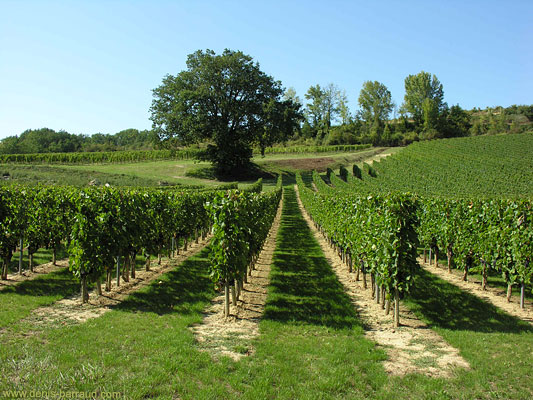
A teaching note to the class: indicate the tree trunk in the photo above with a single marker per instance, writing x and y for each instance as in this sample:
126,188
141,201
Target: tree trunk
126,269
237,289
108,280
396,308
118,271
133,259
365,286
436,257
387,307
30,261
185,245
484,275
450,258
196,236
430,256
21,255
382,298
373,285
425,257
522,295
226,299
54,256
378,290
84,291
98,286
4,270
233,295
509,292
177,246
147,264
159,259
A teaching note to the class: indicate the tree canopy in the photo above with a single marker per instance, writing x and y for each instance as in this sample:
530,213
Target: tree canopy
424,99
227,101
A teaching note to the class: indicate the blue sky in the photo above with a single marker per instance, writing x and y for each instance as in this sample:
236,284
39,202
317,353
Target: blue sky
90,66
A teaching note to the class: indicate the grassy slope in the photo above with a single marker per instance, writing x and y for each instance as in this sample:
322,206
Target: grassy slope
175,172
311,343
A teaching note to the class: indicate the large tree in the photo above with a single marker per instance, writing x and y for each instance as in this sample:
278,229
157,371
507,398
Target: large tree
376,103
322,107
223,99
424,99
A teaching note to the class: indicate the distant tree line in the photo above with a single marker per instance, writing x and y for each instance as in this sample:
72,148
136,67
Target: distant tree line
47,140
423,115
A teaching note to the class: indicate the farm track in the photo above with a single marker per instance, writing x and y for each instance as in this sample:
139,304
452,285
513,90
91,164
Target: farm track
221,336
494,296
39,270
412,348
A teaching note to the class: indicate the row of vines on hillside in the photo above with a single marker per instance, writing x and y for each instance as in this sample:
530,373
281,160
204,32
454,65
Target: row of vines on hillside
241,222
496,233
375,235
153,155
100,226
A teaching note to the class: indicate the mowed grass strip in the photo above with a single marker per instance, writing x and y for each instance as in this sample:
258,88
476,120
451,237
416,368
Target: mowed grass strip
17,301
496,344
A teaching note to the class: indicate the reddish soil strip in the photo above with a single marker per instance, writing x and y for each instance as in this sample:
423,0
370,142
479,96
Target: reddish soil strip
72,311
43,269
495,296
232,336
413,347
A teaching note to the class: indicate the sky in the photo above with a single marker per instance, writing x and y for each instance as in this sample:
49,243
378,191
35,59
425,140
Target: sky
90,66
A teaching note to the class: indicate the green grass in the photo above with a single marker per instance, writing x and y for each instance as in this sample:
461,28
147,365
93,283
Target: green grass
41,256
174,172
58,175
17,301
494,279
311,343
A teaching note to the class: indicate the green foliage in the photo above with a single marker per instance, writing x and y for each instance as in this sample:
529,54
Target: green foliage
484,166
357,171
46,140
370,170
227,100
424,99
381,230
376,104
241,222
343,173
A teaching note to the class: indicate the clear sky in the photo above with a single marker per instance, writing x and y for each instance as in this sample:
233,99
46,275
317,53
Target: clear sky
90,66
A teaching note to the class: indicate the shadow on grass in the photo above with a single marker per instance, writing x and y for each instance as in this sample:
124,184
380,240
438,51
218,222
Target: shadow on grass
447,306
175,291
57,283
303,287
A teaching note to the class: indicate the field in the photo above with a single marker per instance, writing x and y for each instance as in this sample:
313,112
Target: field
318,332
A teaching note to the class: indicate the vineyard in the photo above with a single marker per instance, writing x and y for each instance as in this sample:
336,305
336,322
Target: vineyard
468,201
348,312
111,157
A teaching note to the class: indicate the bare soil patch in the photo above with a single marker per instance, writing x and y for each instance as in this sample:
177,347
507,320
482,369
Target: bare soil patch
233,336
494,296
413,347
72,311
307,164
43,269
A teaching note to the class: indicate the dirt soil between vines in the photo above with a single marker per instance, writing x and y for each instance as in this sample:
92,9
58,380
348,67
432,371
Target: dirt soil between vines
71,311
232,336
413,347
39,270
495,296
